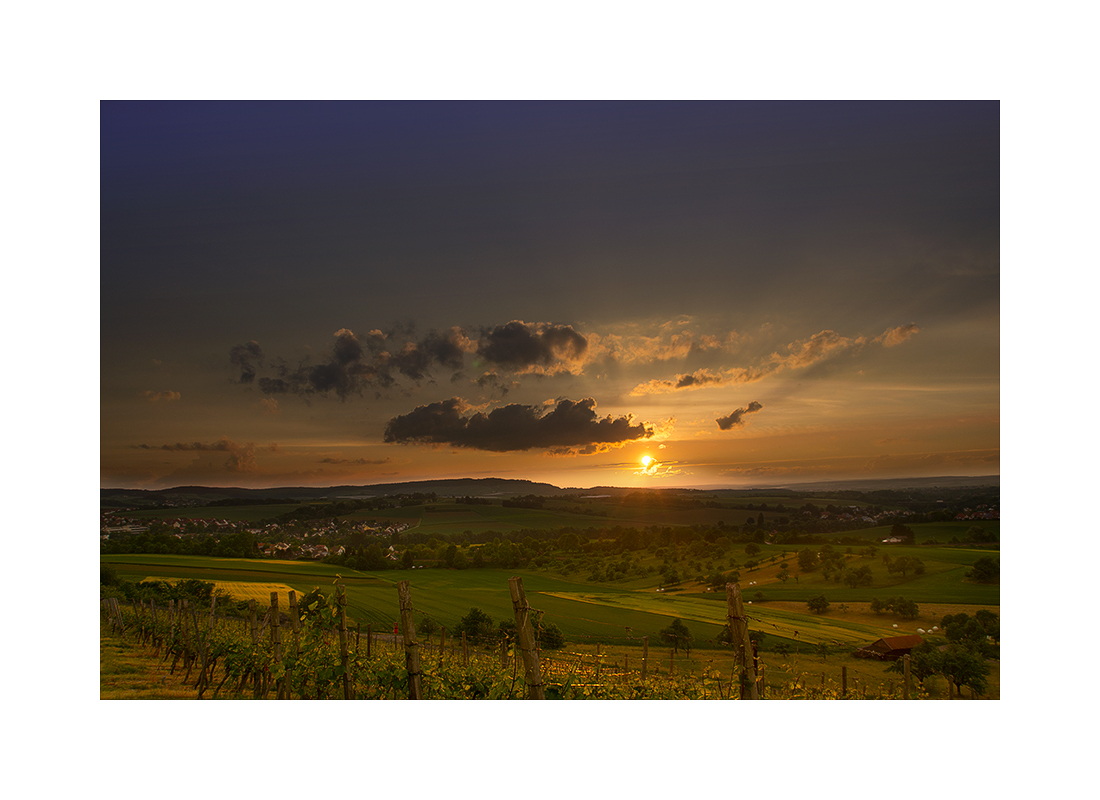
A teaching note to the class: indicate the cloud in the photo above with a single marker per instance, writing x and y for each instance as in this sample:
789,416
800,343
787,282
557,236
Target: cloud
355,461
673,339
817,348
735,420
241,457
896,336
800,354
242,357
355,364
270,405
157,397
571,427
700,379
523,346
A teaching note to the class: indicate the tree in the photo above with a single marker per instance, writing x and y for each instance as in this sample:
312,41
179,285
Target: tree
477,625
985,570
752,548
818,604
807,559
550,636
427,626
906,609
860,576
906,564
965,667
407,560
677,635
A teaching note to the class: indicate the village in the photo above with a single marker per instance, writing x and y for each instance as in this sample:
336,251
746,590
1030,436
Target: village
313,539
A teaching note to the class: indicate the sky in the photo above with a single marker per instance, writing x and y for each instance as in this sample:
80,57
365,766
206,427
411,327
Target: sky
649,294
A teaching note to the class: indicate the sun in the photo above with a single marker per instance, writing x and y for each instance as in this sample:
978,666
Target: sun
646,461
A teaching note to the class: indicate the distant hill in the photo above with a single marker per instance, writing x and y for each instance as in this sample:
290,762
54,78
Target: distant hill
192,495
500,487
870,485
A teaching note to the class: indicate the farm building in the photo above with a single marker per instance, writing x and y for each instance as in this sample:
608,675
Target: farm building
889,648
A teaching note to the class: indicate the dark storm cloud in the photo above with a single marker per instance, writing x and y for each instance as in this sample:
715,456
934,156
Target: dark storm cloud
519,345
242,356
734,420
355,365
569,426
701,378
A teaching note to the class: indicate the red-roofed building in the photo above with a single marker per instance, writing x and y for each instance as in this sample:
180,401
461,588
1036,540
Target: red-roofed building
889,648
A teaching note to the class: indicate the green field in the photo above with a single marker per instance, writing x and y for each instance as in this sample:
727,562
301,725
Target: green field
614,613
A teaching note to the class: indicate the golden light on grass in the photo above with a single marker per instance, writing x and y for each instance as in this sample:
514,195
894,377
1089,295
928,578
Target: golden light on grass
246,590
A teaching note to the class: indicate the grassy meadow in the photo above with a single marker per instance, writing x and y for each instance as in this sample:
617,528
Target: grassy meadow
612,612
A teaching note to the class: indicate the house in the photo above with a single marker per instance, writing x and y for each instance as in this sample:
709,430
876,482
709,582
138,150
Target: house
889,648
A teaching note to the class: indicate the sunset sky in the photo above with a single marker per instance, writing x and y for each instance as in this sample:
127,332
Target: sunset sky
634,294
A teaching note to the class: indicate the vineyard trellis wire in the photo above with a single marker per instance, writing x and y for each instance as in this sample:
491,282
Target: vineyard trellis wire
320,658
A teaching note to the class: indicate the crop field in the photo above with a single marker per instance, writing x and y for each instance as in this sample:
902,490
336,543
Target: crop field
240,590
613,613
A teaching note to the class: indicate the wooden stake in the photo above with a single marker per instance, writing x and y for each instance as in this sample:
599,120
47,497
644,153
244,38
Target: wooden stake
412,646
465,652
905,659
843,681
645,655
292,600
532,674
252,622
442,644
342,599
739,636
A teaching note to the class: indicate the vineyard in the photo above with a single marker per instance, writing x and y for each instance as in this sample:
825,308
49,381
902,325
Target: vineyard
312,653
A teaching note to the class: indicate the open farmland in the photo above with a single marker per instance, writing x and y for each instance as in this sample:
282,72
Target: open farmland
585,611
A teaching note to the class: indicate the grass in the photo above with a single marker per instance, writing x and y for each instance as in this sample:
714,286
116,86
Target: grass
242,590
128,671
611,613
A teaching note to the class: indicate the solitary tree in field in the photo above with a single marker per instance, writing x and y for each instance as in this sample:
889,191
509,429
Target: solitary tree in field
818,604
677,635
985,570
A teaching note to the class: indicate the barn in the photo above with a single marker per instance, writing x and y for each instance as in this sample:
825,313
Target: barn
889,648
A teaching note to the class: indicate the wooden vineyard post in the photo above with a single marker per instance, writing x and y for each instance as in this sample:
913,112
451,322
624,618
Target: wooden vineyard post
844,681
358,631
342,599
504,652
277,643
532,674
597,662
671,656
905,659
645,655
442,644
369,635
210,622
465,651
412,647
739,637
292,600
201,683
